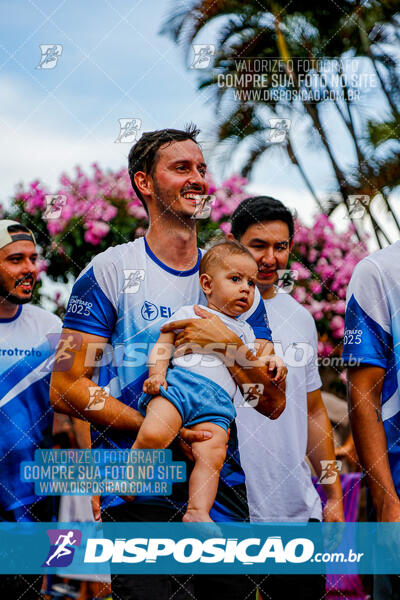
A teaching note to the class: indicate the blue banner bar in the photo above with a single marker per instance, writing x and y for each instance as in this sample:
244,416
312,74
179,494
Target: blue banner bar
199,548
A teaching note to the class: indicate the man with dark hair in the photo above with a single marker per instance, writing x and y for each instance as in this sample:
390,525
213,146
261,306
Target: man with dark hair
273,453
253,210
143,155
169,172
27,417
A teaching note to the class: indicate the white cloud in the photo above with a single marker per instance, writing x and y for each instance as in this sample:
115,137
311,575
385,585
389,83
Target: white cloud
37,150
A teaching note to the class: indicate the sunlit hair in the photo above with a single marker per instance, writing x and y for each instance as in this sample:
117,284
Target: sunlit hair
217,255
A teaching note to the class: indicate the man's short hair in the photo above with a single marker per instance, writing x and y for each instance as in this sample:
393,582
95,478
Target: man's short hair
258,209
217,254
143,154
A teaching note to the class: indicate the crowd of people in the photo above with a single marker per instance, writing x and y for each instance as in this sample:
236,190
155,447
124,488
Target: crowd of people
248,423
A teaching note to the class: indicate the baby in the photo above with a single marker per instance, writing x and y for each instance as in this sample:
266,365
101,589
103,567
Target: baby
197,391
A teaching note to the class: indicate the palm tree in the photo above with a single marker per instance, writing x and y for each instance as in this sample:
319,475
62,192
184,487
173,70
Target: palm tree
303,30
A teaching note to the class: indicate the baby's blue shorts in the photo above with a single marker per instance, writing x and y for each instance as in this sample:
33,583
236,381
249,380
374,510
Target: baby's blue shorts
197,399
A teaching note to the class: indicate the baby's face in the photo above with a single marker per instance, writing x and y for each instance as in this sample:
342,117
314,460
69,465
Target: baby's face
233,284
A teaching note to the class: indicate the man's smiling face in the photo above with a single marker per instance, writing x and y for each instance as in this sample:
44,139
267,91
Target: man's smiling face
18,271
270,245
179,175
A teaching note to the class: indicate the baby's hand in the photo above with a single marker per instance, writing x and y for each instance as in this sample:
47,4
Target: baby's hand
276,368
152,384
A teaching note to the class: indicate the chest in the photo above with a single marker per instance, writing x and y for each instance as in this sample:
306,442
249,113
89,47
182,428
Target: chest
150,299
22,341
293,343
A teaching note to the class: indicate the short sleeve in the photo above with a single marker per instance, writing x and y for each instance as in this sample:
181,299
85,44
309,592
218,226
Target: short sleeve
90,308
367,337
257,318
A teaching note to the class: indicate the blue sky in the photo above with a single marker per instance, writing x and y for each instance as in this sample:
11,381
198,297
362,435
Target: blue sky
114,65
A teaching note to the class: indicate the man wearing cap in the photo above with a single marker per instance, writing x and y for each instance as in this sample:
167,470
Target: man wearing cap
27,336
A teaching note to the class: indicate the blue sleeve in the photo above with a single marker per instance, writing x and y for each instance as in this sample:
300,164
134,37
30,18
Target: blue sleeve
365,341
89,309
258,320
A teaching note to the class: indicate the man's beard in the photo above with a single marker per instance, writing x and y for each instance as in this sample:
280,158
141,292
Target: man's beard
166,203
9,296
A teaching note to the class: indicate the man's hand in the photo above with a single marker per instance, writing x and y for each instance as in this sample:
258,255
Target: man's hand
210,335
152,384
187,437
201,332
333,511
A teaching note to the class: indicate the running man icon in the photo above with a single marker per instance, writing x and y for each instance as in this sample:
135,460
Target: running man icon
62,549
62,542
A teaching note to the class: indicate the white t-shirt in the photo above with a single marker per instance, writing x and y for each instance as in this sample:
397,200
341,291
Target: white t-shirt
272,452
210,365
27,343
372,335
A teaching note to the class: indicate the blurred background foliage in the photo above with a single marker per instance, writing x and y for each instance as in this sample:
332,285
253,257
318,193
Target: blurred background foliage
364,35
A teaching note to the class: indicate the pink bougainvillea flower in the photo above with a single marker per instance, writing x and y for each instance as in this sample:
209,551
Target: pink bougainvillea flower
99,202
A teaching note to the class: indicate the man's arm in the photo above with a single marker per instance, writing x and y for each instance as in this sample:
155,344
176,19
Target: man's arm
249,369
320,447
365,387
244,367
82,433
70,387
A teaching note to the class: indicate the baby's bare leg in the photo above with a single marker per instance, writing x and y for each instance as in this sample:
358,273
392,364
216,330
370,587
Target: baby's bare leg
160,426
203,484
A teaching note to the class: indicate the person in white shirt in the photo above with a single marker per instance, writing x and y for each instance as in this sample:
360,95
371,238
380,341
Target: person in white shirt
28,336
273,453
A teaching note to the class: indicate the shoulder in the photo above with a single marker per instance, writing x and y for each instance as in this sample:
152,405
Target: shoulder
42,318
368,267
369,291
381,262
380,258
106,272
117,257
367,283
287,313
286,303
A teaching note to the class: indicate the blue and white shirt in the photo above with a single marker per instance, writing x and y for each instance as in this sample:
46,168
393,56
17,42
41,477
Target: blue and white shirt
125,295
27,343
372,335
